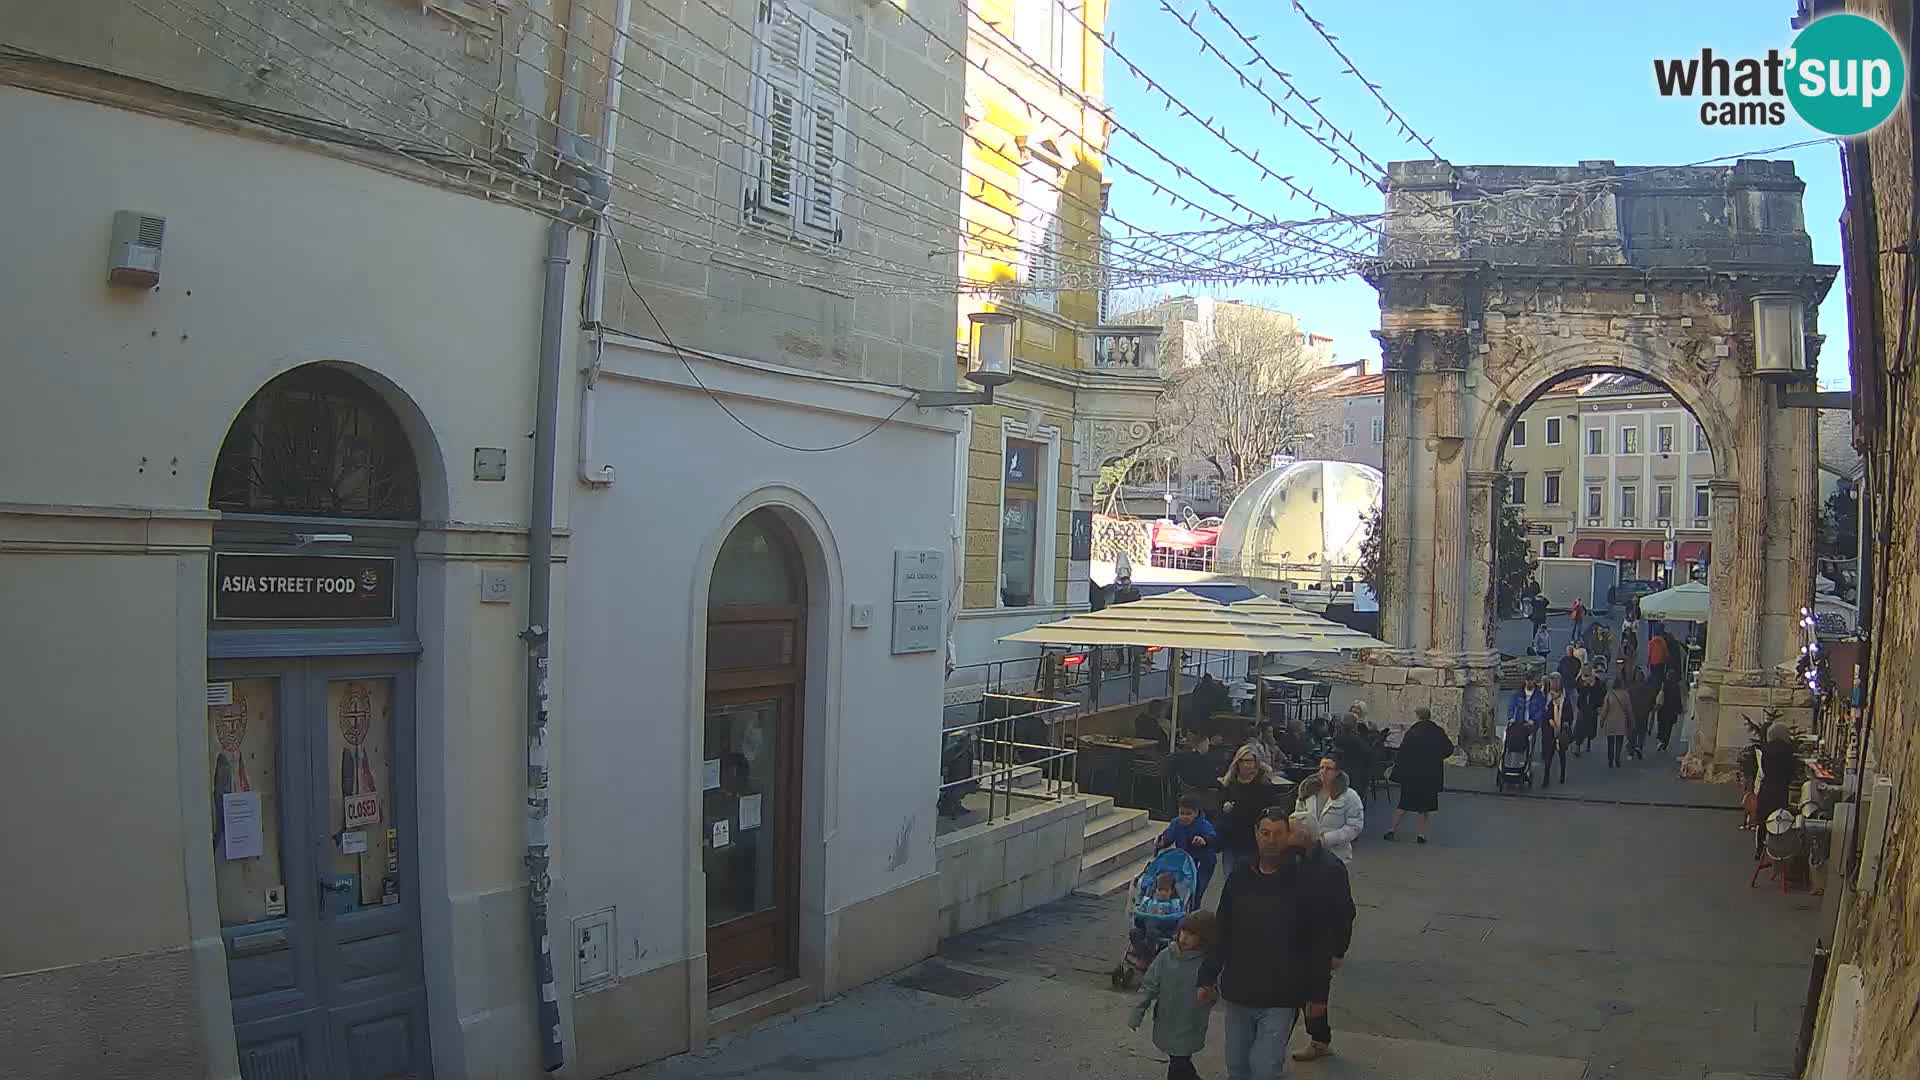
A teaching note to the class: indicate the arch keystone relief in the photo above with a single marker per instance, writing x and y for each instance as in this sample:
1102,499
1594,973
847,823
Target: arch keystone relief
1477,322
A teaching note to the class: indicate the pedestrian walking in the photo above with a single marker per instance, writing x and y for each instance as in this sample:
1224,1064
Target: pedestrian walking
1248,789
1578,611
1336,809
1539,619
1616,719
1556,731
1285,923
1420,770
1656,654
1641,690
1589,694
1673,695
1171,988
1528,704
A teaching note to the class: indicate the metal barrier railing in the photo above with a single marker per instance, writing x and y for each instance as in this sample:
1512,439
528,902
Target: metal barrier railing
1028,754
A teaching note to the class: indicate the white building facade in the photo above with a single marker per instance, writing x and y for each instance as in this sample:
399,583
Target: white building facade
266,521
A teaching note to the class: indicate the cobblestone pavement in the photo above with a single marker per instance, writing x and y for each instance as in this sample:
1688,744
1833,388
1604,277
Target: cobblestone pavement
1534,939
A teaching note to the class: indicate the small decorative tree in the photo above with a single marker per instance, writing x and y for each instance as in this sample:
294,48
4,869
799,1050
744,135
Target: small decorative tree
1373,564
1513,564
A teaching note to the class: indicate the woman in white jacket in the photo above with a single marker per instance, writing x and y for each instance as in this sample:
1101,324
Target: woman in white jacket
1336,808
1339,816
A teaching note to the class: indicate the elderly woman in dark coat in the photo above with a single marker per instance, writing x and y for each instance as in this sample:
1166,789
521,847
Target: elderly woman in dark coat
1779,768
1420,769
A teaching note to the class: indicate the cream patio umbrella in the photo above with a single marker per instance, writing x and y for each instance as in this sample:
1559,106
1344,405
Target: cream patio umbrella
1682,603
1177,621
1296,620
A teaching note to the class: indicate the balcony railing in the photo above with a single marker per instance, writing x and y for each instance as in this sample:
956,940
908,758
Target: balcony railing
1127,349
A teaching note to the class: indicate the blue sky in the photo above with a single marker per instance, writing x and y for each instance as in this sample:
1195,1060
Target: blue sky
1486,81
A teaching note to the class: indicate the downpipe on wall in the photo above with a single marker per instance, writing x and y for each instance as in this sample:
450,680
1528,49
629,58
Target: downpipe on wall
593,473
586,191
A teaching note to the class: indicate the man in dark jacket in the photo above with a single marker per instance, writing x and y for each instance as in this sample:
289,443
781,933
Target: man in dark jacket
1285,921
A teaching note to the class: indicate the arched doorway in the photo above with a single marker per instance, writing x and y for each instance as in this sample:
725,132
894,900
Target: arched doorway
751,779
311,652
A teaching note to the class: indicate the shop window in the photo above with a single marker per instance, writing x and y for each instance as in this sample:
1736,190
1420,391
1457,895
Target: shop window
317,441
243,739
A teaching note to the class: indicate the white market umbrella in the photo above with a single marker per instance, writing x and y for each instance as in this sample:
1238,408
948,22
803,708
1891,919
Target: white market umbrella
1682,603
1177,621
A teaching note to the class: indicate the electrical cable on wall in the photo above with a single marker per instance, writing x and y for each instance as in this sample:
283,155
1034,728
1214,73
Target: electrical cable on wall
627,275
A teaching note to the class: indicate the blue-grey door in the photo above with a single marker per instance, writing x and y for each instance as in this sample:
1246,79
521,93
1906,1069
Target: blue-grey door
314,831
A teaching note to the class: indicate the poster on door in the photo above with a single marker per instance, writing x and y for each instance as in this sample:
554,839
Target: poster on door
242,735
360,744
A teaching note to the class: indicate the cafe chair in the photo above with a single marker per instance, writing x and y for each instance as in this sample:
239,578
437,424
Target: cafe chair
1149,773
1319,706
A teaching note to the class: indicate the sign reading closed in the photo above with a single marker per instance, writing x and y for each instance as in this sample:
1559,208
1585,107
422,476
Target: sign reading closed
296,587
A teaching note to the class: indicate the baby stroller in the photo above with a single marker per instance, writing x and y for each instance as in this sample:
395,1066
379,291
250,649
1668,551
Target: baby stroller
1516,758
1153,925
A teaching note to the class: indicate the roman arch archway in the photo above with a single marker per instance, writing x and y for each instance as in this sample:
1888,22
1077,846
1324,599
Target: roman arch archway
1490,294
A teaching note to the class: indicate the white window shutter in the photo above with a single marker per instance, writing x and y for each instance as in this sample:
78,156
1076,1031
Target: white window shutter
824,126
777,106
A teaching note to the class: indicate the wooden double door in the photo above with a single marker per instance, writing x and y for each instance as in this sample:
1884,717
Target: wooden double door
314,835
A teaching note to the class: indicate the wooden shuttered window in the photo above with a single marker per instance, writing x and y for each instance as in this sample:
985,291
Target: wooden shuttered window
800,120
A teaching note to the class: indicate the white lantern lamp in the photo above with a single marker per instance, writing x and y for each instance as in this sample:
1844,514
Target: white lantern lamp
992,349
1779,336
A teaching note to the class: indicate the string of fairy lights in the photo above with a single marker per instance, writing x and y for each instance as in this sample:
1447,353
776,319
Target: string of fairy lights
926,196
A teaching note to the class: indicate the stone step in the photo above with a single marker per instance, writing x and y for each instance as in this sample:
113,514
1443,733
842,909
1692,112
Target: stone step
1098,806
1111,825
1118,881
1128,853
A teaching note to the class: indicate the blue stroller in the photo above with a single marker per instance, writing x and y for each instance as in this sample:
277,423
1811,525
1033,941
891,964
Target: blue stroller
1155,921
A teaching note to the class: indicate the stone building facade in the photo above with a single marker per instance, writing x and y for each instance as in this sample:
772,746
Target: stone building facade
1084,392
1865,1026
1487,301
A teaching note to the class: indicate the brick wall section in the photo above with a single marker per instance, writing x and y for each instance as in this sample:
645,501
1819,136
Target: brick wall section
1882,933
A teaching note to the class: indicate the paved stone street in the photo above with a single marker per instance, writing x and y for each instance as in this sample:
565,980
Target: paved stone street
1589,935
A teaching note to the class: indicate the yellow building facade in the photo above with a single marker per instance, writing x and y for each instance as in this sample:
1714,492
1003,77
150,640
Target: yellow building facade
1083,393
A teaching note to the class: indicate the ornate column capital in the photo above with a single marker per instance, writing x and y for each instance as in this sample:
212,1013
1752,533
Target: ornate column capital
1482,479
1723,487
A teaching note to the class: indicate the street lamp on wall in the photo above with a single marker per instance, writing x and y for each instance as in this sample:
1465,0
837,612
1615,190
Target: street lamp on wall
992,354
1779,336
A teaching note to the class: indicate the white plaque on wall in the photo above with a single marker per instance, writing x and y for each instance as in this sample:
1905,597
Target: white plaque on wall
919,574
918,626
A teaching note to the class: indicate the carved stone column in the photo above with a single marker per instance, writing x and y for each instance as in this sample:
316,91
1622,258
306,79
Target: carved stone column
1482,623
1747,574
1448,612
1397,516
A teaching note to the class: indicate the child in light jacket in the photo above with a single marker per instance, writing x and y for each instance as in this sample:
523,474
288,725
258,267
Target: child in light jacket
1171,988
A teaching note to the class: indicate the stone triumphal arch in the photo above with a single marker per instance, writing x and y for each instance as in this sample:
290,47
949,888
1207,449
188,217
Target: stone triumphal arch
1495,283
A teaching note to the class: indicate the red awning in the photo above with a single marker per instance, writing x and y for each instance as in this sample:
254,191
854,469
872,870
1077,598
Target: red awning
1592,548
1623,549
1179,538
1692,551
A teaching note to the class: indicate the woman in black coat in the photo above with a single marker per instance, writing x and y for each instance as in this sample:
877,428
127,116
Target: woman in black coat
1589,694
1779,768
1247,790
1421,770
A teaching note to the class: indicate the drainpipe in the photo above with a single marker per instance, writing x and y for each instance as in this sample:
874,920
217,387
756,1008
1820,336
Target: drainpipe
538,634
599,474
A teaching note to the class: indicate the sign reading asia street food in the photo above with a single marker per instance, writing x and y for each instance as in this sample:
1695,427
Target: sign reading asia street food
294,587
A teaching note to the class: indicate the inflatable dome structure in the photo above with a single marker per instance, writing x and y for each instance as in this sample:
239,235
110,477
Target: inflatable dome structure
1300,522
